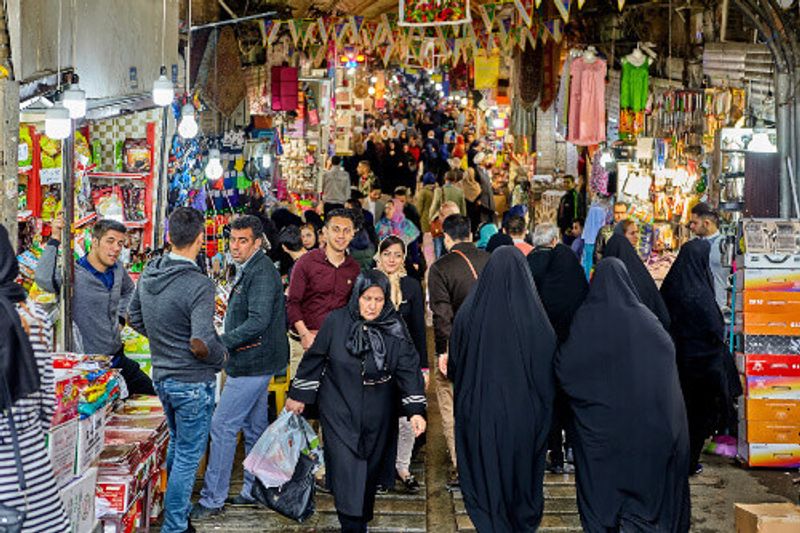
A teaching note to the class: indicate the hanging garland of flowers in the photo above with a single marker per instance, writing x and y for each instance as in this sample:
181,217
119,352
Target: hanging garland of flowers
433,12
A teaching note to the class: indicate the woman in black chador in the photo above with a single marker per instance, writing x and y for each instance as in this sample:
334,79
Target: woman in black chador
618,246
362,356
708,376
631,437
501,363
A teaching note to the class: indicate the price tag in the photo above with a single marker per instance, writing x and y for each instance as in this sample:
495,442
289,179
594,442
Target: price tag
50,176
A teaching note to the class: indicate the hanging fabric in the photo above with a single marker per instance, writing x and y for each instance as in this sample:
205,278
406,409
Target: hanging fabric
587,105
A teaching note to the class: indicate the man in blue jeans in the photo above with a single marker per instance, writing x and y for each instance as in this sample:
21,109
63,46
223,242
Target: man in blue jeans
255,336
173,306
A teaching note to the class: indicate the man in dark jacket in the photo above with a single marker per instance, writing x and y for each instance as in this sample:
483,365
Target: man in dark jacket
255,336
449,282
173,306
571,207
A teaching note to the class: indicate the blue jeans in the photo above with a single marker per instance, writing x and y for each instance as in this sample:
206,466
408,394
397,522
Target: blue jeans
242,406
188,408
438,246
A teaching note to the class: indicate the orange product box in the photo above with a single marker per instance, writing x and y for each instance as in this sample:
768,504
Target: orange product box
771,432
768,364
764,324
770,302
778,280
768,455
783,411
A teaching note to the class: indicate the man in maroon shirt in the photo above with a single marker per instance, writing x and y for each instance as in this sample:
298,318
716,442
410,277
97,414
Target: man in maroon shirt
323,278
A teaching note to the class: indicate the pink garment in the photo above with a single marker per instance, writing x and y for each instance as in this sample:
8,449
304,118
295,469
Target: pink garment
587,102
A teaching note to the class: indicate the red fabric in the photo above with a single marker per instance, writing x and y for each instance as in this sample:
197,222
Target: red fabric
317,288
284,88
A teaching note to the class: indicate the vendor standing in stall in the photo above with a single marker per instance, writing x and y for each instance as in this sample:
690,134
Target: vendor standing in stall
100,298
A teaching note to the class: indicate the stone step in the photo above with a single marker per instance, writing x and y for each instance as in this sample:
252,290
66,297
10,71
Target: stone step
554,506
250,520
550,523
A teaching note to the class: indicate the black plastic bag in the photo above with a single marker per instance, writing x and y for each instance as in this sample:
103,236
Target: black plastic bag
295,498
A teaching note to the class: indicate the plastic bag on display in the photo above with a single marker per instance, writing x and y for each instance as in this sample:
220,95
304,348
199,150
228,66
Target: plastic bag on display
274,457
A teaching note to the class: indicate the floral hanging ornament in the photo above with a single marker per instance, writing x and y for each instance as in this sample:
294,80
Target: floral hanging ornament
433,12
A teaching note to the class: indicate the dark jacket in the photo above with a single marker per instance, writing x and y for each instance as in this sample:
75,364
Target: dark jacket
255,322
413,312
174,303
449,282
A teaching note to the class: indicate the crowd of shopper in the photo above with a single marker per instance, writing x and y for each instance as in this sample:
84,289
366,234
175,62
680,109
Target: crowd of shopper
553,348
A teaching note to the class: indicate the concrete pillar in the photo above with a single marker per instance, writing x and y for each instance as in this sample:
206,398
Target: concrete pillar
9,144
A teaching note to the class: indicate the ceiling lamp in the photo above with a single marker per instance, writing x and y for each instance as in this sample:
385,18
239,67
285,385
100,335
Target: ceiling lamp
57,122
371,91
163,89
214,168
74,99
188,126
266,160
373,80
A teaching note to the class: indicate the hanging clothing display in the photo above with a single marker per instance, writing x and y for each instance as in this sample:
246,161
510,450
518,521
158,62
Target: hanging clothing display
587,102
634,86
562,98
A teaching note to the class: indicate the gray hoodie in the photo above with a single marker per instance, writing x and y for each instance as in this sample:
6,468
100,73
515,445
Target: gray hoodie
174,303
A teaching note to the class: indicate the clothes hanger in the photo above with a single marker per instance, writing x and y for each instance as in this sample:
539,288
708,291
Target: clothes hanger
590,54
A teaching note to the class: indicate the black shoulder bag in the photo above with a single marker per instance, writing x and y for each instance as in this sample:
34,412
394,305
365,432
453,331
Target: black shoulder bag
11,519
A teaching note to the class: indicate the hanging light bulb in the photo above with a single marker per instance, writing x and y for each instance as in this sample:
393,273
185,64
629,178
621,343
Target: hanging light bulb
438,86
464,101
57,124
371,91
373,80
266,160
188,126
74,99
214,168
163,90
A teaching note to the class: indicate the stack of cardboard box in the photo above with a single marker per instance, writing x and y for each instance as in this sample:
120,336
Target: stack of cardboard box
768,319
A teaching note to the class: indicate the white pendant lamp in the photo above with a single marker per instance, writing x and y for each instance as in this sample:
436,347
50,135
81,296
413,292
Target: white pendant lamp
188,126
57,122
163,90
74,99
214,168
266,160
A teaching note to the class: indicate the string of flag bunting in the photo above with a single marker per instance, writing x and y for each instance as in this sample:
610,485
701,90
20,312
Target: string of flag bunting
496,30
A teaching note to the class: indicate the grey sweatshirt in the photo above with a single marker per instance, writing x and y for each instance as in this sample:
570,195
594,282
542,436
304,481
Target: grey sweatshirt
95,309
174,303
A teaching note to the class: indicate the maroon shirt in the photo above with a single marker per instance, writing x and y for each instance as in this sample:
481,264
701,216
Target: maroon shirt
317,288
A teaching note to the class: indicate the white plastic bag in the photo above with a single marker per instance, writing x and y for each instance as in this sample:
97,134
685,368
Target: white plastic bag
274,457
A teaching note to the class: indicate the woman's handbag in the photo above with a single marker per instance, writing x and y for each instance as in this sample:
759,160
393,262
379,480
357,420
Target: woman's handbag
11,519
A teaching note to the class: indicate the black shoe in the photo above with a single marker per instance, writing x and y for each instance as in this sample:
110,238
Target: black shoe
453,484
240,500
200,511
321,483
381,490
698,469
556,467
411,484
190,529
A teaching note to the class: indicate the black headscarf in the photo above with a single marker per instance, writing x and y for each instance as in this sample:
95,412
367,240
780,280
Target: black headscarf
501,363
561,283
631,470
368,335
17,361
620,247
282,217
688,291
497,240
313,218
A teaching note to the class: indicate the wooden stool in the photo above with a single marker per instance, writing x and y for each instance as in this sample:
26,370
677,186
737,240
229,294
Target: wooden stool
280,386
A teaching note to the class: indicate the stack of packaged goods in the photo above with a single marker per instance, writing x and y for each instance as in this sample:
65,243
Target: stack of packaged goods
85,386
137,348
132,473
768,318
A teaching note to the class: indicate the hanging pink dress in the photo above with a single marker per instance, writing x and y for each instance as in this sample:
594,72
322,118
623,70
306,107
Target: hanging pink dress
587,102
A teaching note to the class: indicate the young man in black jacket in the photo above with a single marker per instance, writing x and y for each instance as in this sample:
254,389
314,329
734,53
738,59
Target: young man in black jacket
255,336
173,306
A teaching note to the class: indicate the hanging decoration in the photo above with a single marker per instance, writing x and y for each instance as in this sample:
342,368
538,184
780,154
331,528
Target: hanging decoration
433,12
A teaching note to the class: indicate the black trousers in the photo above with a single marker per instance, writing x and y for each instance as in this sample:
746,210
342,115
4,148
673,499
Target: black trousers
137,381
700,382
560,426
352,524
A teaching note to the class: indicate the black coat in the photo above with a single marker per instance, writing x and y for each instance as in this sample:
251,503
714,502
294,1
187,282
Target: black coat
501,364
359,421
413,312
631,435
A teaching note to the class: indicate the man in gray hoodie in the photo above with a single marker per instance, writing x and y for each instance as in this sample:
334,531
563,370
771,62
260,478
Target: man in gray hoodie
100,297
173,306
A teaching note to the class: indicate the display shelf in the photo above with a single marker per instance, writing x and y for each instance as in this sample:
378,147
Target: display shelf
728,151
731,175
136,224
118,175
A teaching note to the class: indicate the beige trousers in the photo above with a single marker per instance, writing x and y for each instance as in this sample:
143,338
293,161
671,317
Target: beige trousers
444,394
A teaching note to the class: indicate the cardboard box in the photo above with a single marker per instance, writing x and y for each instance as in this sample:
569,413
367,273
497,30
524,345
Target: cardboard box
91,433
773,387
770,432
765,455
771,344
123,522
783,411
772,261
760,324
78,498
62,442
767,518
68,385
768,364
780,280
117,491
769,302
